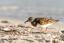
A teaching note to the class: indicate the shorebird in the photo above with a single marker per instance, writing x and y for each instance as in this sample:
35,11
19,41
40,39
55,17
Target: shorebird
44,22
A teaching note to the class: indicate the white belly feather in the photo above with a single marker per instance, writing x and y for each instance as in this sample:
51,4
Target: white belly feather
46,25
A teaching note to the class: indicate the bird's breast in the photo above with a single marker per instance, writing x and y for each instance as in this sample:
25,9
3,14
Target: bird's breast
46,25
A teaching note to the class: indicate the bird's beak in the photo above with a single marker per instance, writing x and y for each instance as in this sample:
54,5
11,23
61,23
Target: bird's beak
26,21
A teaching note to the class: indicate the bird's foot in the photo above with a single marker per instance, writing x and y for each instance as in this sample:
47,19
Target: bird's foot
43,31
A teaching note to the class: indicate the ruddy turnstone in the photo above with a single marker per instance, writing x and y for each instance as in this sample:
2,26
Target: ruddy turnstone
44,22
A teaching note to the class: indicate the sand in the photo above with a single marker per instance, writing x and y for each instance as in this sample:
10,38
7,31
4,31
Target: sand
35,36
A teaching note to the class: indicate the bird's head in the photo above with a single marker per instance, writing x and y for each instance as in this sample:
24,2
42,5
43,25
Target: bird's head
29,19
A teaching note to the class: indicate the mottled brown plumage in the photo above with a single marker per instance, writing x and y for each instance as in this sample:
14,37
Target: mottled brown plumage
44,21
41,21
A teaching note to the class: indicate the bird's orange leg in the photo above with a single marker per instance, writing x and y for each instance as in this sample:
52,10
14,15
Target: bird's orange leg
30,30
44,30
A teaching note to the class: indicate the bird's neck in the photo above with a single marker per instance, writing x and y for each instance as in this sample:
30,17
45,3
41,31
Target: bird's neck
34,24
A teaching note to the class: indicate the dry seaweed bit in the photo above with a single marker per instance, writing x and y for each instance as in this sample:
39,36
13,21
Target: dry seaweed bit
4,21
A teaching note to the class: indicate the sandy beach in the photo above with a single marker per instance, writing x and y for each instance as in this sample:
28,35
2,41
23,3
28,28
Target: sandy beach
22,35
